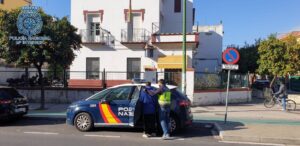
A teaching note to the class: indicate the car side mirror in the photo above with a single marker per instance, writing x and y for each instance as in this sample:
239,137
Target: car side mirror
104,101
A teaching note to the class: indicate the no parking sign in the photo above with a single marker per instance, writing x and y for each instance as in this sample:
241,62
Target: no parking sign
230,56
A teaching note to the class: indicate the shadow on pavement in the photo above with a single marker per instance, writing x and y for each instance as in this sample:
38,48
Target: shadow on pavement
117,129
197,129
230,125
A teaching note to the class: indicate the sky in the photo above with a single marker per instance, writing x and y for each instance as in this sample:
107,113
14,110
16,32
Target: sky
244,20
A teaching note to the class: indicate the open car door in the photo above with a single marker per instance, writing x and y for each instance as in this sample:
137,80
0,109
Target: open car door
136,107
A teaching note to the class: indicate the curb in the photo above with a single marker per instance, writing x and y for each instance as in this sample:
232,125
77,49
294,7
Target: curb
255,139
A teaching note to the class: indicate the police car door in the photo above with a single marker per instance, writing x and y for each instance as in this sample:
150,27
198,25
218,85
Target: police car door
115,110
136,107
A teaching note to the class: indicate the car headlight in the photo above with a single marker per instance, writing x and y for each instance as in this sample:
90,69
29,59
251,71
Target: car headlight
73,106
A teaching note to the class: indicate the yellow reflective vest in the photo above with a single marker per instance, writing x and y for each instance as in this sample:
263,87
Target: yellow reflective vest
165,98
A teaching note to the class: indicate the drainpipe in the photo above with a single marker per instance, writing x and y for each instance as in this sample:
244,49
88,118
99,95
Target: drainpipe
184,49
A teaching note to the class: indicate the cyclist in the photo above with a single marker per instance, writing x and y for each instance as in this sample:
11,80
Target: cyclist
282,93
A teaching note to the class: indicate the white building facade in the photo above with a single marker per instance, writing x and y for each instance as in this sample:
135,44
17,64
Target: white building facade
146,43
208,56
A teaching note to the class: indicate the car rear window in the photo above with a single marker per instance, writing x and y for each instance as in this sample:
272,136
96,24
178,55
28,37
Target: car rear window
9,93
178,94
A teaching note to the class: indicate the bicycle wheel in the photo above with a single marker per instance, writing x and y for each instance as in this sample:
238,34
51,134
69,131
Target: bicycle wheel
269,103
290,105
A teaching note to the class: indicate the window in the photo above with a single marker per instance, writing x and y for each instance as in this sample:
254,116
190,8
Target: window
100,95
149,53
92,68
120,93
95,28
9,93
133,68
4,95
194,12
136,94
177,6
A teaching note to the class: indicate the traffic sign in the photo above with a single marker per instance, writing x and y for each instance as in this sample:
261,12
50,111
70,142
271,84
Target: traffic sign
230,66
231,56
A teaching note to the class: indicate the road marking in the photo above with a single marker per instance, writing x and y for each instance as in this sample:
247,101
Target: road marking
171,138
103,136
44,133
252,143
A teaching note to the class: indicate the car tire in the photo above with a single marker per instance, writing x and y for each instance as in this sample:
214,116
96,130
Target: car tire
83,122
174,124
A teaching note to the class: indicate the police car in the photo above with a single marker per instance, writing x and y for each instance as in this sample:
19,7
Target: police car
118,106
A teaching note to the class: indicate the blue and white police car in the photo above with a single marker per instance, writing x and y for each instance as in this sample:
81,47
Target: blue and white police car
118,106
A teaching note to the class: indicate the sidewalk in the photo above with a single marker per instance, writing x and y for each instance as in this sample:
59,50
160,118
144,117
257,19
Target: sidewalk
252,123
52,110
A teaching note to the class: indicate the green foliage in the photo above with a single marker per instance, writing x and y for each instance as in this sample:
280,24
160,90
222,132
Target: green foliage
248,58
279,57
58,51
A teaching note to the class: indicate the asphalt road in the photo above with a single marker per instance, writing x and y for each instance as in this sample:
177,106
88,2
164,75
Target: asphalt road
38,131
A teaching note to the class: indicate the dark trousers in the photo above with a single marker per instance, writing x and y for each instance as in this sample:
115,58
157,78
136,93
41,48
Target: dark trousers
149,123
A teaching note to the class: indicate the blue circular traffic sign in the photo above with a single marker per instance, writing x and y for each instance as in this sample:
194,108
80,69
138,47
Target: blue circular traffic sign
231,56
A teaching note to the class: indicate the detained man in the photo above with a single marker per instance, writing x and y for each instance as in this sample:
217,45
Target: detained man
149,105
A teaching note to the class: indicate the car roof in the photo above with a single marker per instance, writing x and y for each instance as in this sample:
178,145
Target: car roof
143,84
5,87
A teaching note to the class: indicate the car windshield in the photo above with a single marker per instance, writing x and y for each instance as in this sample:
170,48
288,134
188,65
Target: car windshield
99,95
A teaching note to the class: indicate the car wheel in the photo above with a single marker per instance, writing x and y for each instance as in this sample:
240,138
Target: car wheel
83,122
174,124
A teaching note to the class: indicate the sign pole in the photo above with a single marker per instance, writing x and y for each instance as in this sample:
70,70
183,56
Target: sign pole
230,56
227,93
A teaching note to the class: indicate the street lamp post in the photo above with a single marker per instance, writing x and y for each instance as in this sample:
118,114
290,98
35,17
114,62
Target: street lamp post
184,49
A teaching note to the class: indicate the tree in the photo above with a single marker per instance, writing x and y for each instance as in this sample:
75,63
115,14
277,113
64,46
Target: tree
59,50
248,58
279,57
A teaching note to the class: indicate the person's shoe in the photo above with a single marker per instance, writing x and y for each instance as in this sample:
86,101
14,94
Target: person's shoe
146,135
153,134
166,137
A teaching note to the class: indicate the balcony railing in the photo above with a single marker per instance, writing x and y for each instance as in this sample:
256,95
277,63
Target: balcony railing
97,36
136,35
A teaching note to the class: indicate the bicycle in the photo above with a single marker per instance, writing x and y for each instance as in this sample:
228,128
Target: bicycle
270,102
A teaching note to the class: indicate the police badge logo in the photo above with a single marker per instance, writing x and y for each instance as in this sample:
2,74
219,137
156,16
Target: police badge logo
29,21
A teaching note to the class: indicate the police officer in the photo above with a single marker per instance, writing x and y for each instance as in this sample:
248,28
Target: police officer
164,100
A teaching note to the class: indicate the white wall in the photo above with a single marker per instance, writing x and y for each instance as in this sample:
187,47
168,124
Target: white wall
218,97
208,55
175,19
113,17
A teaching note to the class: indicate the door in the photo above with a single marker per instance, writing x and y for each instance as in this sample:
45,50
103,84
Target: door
136,107
173,76
134,28
115,109
95,32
